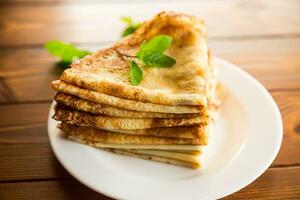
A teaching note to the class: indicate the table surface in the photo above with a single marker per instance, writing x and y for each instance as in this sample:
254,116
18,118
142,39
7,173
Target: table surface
262,37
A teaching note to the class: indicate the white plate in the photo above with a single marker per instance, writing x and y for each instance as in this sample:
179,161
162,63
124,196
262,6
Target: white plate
246,140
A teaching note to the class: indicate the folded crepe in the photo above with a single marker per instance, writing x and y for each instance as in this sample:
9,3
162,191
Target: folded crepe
117,102
80,118
167,154
106,137
152,151
166,118
102,109
173,161
107,71
164,155
166,147
190,132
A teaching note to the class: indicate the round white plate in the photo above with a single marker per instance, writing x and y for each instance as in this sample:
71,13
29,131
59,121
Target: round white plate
246,140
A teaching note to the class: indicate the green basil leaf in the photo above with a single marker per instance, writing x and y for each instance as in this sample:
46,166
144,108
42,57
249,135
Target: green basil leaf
151,52
135,73
131,26
127,20
158,44
66,52
155,59
129,30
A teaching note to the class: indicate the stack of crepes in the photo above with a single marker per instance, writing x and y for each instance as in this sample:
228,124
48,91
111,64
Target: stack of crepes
166,118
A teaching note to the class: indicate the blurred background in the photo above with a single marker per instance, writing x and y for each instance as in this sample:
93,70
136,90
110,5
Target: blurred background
260,36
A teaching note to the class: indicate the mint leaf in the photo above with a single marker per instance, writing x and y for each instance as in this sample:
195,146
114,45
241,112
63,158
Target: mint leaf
127,20
135,73
156,59
158,44
151,52
131,28
66,52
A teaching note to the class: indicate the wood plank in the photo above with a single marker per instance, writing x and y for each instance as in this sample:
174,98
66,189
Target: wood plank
289,104
27,78
275,183
27,154
24,140
274,62
27,25
23,114
48,190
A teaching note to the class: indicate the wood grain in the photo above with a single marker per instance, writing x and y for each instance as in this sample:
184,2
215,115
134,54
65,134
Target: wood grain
274,62
273,184
23,114
24,140
48,190
32,25
289,104
27,154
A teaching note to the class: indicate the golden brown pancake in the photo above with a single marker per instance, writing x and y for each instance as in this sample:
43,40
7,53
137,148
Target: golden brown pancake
107,71
191,132
106,137
64,114
117,102
161,159
102,109
166,118
174,147
164,156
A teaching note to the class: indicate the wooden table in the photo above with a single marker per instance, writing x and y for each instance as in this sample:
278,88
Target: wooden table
262,37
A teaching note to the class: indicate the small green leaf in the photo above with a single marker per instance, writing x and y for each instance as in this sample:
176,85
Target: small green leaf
63,65
127,20
158,60
66,52
158,44
151,52
135,73
129,30
132,26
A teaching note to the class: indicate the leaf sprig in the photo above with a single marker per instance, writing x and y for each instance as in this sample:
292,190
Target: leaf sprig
131,26
135,73
67,53
151,54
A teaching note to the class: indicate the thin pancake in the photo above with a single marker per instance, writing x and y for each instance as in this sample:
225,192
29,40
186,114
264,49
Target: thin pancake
192,132
191,152
129,152
119,102
186,132
171,161
173,147
189,132
166,154
106,137
107,71
103,122
96,108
